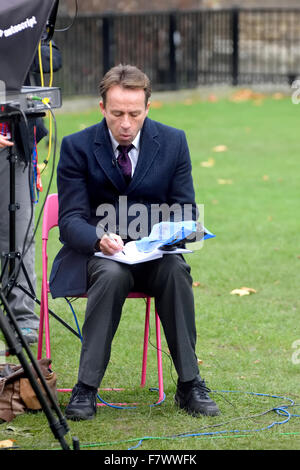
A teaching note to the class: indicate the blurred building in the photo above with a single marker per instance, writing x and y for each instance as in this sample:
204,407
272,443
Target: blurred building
132,6
180,43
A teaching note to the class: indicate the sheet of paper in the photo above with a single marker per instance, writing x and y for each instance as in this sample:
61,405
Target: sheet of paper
132,255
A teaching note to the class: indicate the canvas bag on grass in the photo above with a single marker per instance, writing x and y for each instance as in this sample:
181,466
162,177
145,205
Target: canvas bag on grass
16,393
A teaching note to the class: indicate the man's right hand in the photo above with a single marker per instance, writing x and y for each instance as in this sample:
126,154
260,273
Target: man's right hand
111,244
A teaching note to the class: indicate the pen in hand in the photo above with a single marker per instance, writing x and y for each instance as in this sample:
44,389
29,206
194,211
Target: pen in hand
109,235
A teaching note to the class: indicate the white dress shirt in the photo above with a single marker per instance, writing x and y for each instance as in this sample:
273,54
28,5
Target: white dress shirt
134,152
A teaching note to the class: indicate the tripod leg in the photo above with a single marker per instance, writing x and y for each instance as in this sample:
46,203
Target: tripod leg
58,428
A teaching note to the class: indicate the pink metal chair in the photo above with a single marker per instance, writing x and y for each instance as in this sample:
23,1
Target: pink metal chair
50,220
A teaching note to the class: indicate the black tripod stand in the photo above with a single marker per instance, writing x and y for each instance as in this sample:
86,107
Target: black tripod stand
8,324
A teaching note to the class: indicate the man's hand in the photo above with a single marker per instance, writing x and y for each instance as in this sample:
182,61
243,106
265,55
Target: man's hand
111,244
5,142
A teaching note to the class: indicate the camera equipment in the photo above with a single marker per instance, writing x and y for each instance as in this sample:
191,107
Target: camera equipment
31,99
22,23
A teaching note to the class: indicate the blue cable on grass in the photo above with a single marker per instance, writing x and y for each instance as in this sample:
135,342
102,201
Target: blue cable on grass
281,410
98,396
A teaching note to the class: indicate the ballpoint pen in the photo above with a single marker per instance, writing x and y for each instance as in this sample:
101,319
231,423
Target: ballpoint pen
108,234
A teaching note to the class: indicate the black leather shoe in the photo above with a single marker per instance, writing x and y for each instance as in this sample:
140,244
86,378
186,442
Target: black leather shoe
193,397
82,404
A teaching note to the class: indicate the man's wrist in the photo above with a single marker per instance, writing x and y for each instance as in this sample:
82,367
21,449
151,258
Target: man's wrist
97,246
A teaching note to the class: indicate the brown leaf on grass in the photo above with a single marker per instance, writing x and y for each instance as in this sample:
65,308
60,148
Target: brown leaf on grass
209,163
239,292
156,104
212,98
243,291
277,96
6,444
249,289
220,148
197,284
188,102
199,361
246,95
224,181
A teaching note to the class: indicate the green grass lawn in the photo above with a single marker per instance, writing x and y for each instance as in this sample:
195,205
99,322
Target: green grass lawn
250,193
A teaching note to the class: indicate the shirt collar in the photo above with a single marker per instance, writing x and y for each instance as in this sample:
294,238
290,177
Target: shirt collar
135,142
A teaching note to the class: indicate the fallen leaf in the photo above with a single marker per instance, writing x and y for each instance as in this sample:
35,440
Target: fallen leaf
156,104
196,284
224,181
220,148
249,289
188,102
243,291
209,163
239,292
199,361
266,177
246,95
6,443
212,98
277,96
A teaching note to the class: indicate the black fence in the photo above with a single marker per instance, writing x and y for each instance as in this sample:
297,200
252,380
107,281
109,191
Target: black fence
182,49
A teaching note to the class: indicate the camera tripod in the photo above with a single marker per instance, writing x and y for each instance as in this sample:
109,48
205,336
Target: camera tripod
8,324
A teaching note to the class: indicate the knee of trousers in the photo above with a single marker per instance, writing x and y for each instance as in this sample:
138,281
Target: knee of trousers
173,269
110,275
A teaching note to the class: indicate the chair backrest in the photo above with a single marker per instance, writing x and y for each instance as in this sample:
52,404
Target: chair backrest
50,217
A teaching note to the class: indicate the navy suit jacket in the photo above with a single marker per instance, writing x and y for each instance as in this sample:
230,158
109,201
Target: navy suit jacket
87,176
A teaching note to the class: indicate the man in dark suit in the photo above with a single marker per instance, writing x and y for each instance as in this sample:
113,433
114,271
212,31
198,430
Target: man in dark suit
91,174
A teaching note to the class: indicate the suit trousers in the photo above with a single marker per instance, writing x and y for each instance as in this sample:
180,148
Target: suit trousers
20,303
168,280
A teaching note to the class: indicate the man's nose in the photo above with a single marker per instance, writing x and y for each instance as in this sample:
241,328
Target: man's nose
125,122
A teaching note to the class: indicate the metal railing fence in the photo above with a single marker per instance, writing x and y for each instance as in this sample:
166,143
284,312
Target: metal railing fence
182,49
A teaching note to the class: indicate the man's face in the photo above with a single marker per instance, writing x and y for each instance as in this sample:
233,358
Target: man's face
125,112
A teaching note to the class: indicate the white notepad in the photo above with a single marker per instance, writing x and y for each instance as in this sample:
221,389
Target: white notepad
132,255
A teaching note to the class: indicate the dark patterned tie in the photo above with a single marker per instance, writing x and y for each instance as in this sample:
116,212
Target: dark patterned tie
124,161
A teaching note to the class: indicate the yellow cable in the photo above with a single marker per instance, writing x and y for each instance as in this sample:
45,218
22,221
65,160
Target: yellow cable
51,64
45,100
45,162
41,63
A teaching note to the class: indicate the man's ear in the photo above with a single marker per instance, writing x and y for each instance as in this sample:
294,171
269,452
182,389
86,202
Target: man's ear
102,107
147,107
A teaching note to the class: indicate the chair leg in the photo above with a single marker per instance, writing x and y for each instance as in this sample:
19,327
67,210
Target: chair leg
158,350
159,358
146,338
47,328
44,327
41,328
